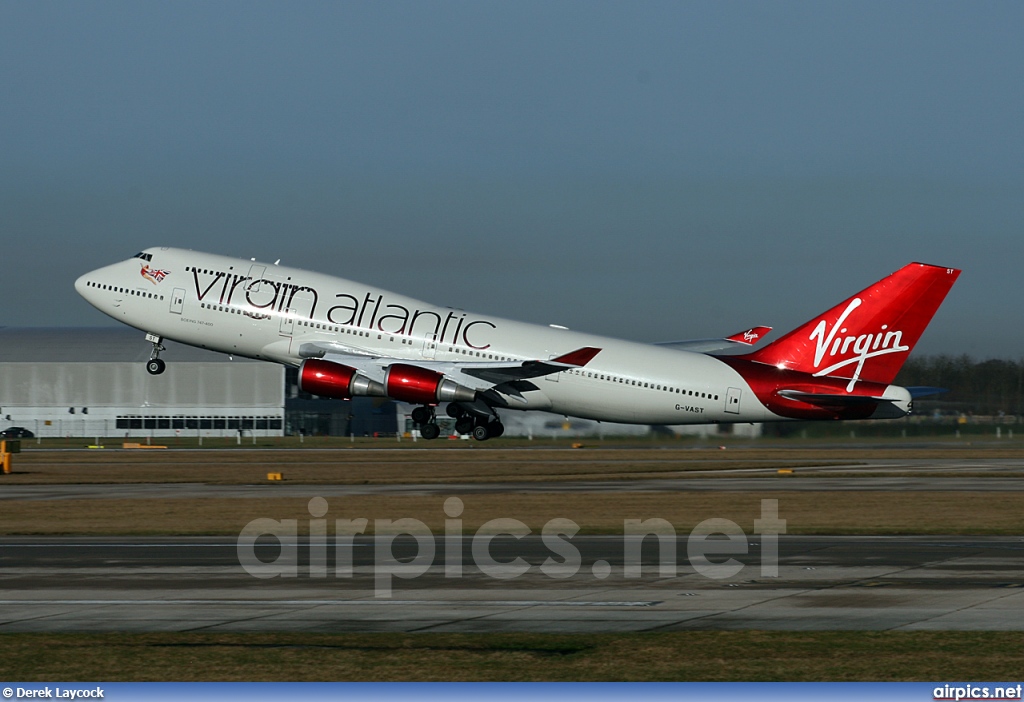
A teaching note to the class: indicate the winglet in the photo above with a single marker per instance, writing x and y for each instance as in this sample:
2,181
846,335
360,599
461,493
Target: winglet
750,336
579,357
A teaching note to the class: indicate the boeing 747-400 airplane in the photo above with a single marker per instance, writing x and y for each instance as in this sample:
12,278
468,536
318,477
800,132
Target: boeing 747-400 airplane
350,339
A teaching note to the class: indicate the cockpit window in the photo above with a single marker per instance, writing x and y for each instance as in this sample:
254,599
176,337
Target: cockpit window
144,256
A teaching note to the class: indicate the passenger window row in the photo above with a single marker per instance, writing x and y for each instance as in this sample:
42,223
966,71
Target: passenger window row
642,384
479,354
125,291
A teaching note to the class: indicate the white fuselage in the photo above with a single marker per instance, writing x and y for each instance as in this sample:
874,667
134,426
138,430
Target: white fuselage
268,312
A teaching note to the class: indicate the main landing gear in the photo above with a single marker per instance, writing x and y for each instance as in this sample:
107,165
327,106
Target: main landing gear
424,416
154,366
480,427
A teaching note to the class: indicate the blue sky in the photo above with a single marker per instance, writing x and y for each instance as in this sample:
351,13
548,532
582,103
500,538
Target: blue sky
645,170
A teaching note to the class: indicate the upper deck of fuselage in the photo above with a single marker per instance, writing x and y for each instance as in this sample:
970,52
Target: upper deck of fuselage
325,303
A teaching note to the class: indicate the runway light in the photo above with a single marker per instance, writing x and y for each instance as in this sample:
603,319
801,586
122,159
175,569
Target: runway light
786,471
275,476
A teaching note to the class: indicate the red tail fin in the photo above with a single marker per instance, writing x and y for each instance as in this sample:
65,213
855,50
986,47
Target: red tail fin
870,335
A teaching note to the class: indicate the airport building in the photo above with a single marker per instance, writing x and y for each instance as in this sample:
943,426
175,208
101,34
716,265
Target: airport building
92,382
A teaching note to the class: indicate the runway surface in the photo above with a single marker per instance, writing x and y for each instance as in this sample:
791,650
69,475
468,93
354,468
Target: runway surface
128,491
823,583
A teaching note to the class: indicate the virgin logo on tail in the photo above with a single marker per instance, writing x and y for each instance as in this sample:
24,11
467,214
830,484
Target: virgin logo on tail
864,346
885,319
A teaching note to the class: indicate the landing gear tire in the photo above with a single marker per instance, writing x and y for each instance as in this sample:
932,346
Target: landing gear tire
154,366
481,432
497,429
430,431
455,412
464,425
422,415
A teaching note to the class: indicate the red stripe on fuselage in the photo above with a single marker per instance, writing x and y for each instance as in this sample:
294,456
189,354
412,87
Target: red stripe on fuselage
766,382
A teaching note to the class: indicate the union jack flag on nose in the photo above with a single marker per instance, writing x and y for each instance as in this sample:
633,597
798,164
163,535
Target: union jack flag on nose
153,276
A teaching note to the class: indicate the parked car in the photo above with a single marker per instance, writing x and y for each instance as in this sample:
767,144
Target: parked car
16,433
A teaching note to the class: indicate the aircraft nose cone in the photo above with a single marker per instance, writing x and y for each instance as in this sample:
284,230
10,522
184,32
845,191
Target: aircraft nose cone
83,289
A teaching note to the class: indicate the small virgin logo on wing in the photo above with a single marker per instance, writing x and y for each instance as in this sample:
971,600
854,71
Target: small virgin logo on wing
832,341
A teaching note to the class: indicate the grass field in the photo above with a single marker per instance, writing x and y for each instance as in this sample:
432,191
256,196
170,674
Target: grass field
352,466
680,656
818,512
461,463
596,513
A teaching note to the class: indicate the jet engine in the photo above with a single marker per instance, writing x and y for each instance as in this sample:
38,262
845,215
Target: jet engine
422,386
331,379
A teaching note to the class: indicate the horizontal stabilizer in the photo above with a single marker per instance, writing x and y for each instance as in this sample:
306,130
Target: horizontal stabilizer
830,400
873,406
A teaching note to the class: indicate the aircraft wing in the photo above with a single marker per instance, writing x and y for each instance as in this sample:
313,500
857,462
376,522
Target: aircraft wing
324,349
485,374
748,337
505,372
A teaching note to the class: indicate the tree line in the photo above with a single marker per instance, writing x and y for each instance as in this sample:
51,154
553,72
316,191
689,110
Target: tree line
991,387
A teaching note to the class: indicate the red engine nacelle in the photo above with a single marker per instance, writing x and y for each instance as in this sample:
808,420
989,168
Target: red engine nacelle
331,379
325,378
422,386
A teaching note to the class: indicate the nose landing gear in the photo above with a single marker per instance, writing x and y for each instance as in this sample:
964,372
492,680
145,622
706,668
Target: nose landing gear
154,366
